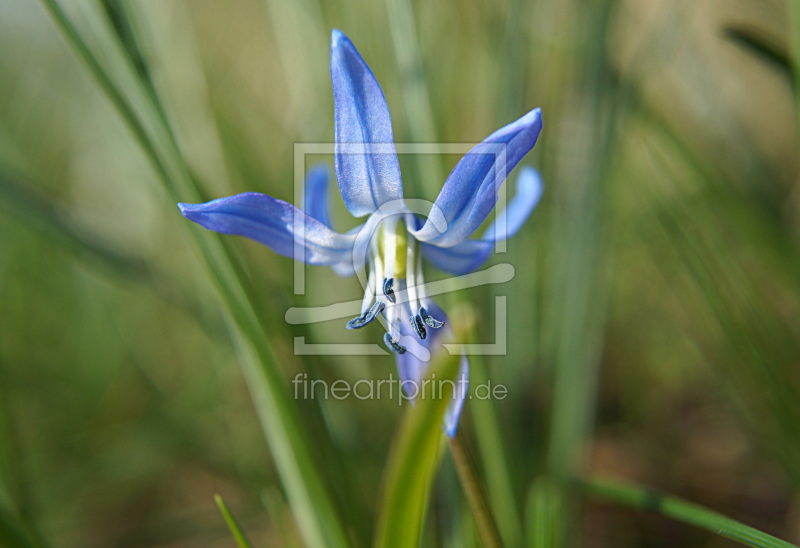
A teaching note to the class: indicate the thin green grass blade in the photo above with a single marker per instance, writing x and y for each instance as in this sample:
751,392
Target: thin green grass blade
413,460
545,502
468,476
683,511
305,488
418,112
495,463
580,291
794,29
233,525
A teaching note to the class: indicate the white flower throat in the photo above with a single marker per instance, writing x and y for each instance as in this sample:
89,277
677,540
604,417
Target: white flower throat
395,286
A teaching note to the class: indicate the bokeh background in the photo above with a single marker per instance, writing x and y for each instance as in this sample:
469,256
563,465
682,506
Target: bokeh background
653,322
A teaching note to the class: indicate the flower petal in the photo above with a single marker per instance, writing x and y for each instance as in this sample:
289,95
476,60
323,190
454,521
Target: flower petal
470,192
459,396
412,369
461,258
274,223
528,193
367,169
315,197
468,255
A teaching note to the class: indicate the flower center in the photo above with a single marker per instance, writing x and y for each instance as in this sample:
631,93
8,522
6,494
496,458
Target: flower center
395,291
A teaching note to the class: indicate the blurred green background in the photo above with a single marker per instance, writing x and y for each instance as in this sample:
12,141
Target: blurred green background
654,321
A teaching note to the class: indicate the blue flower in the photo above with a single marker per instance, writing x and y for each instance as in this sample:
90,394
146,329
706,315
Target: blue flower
398,232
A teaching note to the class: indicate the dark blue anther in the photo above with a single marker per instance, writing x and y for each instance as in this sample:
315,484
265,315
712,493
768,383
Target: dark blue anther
388,284
392,345
367,317
429,320
419,326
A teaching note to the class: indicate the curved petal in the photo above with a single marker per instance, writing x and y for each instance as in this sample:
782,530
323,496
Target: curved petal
412,369
468,255
274,223
461,258
367,169
470,192
526,198
461,393
315,197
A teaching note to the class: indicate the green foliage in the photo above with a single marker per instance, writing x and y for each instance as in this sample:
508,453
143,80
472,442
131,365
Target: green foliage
413,462
651,333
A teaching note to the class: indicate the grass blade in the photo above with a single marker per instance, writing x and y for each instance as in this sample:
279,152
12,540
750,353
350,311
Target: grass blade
794,29
683,511
493,456
278,413
484,520
545,503
233,525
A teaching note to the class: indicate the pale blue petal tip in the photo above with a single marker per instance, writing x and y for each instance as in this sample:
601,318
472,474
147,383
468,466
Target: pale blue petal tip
336,36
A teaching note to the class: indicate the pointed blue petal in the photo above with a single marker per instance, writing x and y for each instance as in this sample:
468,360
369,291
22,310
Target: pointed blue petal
468,255
367,169
470,192
412,369
315,199
453,412
274,223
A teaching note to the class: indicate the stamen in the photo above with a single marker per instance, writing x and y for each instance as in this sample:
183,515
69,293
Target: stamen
388,284
393,345
369,292
358,321
389,246
378,267
411,273
393,320
422,296
364,319
419,326
429,320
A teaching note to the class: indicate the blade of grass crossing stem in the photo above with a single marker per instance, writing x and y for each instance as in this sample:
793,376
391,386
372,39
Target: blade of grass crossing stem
413,460
307,494
233,525
683,511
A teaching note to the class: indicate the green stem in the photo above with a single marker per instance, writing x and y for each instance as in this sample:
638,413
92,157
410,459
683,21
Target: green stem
465,467
681,510
233,525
